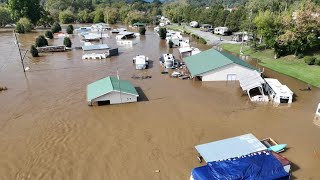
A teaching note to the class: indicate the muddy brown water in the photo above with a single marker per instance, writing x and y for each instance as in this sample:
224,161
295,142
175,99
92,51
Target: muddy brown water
47,131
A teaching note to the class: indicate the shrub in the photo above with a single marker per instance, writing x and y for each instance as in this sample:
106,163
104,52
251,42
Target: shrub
70,29
49,34
66,17
310,60
56,27
317,62
163,33
27,26
99,16
83,16
67,42
142,30
170,44
300,56
19,28
34,52
41,41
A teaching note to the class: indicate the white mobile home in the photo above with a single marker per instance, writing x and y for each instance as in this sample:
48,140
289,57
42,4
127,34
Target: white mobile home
111,90
213,65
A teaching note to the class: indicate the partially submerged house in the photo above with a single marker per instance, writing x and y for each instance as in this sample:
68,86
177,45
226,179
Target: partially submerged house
125,35
98,51
111,90
240,157
213,65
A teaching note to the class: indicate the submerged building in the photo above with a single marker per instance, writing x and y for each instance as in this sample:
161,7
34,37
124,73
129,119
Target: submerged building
111,90
213,65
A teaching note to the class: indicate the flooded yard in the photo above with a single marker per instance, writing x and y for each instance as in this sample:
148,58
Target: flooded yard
47,130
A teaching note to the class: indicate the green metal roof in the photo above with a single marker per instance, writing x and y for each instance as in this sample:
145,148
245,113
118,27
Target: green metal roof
211,60
107,85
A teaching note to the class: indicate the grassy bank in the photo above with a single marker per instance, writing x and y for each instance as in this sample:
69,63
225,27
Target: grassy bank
186,31
288,65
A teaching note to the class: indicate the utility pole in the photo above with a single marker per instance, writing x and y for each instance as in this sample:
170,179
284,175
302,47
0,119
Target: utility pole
21,58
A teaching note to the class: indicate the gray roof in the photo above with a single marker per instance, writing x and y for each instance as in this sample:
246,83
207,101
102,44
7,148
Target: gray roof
95,47
251,80
230,148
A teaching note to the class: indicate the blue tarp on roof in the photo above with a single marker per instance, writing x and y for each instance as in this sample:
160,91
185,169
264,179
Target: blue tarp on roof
257,166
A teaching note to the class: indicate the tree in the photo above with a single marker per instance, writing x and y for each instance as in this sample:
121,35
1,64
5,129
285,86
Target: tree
41,41
83,16
46,19
25,8
70,29
19,28
34,52
67,42
27,26
170,43
4,16
163,33
268,26
66,17
49,34
98,17
56,28
142,30
111,15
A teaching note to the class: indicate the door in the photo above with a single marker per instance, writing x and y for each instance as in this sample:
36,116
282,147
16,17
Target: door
231,77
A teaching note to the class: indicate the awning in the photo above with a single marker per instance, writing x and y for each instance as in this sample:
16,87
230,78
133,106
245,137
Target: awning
230,148
251,80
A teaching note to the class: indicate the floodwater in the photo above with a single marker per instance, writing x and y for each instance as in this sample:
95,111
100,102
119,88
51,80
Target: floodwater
47,131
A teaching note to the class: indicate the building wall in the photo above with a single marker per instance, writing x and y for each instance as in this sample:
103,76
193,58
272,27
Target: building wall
115,98
222,73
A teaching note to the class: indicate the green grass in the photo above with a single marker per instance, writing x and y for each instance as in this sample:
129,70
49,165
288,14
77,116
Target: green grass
288,65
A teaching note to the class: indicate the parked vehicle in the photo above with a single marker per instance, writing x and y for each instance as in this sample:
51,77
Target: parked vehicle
194,24
222,31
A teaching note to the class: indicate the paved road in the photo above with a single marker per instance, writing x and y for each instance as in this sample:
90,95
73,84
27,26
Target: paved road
211,39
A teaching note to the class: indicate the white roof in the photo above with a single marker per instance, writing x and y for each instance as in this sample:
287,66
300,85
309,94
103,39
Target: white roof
230,148
277,87
141,59
251,80
168,57
185,49
126,33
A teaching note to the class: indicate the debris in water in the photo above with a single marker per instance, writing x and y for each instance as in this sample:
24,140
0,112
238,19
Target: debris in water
141,77
157,171
3,88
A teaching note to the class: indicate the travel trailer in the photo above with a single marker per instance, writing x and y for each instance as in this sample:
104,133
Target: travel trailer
194,24
278,92
168,61
141,62
222,31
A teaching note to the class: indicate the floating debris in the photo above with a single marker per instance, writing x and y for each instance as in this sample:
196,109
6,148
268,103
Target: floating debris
3,88
157,171
141,77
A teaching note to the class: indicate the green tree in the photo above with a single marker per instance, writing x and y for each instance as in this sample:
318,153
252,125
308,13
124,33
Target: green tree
49,34
163,33
142,30
98,17
4,16
34,52
268,26
19,28
56,28
46,19
83,16
70,29
111,15
41,41
27,26
66,17
67,42
170,43
25,8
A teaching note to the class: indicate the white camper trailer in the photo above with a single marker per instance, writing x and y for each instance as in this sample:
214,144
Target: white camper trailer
278,92
222,31
141,62
194,24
